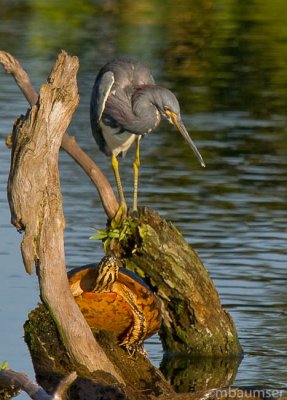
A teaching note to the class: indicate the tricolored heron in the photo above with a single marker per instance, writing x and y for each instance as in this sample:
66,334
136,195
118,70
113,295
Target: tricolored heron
126,104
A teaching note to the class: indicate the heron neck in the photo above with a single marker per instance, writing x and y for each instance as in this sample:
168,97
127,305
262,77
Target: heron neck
146,115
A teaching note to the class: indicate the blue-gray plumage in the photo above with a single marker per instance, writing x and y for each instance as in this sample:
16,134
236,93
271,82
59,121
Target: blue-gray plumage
126,104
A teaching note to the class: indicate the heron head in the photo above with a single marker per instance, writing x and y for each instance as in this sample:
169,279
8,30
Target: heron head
169,108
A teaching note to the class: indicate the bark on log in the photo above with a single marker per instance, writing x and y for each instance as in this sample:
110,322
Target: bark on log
143,381
36,208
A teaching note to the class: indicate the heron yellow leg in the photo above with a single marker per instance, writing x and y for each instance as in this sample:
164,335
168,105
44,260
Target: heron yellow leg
136,165
122,211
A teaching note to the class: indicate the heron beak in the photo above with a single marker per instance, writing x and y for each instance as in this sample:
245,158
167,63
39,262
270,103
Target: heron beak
177,122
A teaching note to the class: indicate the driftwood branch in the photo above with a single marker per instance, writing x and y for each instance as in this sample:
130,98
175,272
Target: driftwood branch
36,208
106,193
69,144
20,381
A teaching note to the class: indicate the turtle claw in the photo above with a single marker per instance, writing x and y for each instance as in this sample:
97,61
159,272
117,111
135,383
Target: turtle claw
142,351
134,349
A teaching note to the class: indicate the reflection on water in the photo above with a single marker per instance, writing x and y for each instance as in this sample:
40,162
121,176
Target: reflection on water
194,374
226,61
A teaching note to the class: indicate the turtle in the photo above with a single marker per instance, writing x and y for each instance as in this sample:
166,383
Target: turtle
112,298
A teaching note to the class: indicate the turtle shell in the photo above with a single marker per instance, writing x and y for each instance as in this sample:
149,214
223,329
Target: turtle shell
109,310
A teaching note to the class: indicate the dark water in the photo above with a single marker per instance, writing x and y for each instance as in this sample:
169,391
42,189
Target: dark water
227,63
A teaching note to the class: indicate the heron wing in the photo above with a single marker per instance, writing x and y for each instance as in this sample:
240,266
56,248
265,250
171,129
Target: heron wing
103,90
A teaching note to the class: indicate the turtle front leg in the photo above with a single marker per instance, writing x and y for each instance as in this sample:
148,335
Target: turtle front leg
134,337
134,349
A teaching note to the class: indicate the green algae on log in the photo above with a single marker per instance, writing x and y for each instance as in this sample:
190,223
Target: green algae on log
194,320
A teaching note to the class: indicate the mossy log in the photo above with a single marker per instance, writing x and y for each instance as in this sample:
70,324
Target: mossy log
51,363
194,320
142,380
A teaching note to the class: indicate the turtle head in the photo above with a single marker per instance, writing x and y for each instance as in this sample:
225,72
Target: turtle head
108,270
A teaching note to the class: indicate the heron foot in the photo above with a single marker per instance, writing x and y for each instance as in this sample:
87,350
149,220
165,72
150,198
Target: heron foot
135,213
120,214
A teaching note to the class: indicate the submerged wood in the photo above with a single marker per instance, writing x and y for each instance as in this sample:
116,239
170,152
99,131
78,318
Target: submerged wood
36,392
21,381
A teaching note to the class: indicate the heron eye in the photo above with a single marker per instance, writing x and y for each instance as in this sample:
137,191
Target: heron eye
168,114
